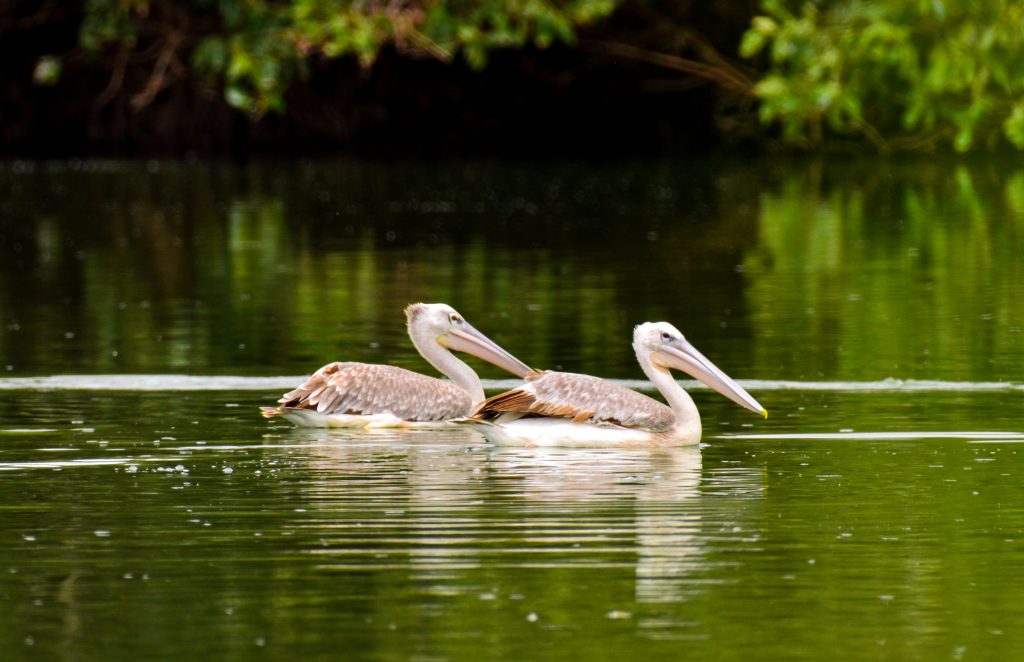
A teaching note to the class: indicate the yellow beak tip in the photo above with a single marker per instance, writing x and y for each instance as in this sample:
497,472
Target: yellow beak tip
764,412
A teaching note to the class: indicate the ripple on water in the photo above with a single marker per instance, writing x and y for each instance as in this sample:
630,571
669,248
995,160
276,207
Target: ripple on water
46,464
971,436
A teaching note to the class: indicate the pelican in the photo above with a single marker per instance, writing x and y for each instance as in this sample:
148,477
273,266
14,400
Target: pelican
567,409
366,395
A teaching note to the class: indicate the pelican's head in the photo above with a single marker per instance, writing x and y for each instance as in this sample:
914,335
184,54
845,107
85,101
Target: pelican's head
666,348
443,324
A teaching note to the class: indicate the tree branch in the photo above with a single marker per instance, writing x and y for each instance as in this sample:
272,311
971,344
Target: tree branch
726,77
158,79
116,79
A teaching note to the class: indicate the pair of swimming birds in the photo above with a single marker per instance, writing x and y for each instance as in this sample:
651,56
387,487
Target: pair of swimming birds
548,409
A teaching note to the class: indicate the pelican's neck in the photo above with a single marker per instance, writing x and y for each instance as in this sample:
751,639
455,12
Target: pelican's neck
679,401
461,374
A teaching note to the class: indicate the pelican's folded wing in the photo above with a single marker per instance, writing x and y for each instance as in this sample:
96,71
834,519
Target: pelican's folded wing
366,389
581,398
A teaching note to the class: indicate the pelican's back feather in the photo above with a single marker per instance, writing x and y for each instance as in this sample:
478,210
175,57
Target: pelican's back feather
366,389
580,398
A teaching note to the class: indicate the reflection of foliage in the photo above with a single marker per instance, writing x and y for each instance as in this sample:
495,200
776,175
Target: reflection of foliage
899,74
188,276
257,48
912,280
914,271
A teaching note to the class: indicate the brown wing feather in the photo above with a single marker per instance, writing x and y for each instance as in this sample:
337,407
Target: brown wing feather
581,398
365,389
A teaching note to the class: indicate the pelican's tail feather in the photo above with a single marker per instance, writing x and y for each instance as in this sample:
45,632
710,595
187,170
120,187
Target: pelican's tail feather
271,412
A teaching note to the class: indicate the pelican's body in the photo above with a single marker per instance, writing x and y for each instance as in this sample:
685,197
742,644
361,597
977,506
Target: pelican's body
367,395
567,409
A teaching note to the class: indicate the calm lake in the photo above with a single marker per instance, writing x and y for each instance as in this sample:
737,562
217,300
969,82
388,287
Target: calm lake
147,309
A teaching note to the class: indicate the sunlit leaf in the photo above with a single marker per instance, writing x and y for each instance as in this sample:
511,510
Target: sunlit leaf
47,70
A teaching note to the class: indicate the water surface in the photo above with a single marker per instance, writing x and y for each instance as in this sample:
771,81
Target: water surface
147,310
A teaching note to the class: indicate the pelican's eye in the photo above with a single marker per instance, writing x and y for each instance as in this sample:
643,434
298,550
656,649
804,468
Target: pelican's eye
666,336
455,319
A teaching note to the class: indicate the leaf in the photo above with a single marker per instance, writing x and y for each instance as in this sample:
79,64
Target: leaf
47,70
475,55
210,56
752,43
1013,126
764,25
771,86
237,97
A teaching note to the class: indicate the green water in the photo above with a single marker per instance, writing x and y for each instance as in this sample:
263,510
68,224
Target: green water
874,308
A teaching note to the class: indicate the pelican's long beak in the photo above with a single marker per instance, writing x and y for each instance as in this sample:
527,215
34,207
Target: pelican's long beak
684,356
467,339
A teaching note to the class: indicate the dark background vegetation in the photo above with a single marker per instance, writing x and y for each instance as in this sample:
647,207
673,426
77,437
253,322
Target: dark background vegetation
579,99
508,77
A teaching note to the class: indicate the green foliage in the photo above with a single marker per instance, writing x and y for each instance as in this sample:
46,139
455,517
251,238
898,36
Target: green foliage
256,48
899,73
107,21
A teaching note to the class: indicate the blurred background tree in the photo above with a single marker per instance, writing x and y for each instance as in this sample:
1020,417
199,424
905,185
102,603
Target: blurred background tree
899,74
608,75
254,49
